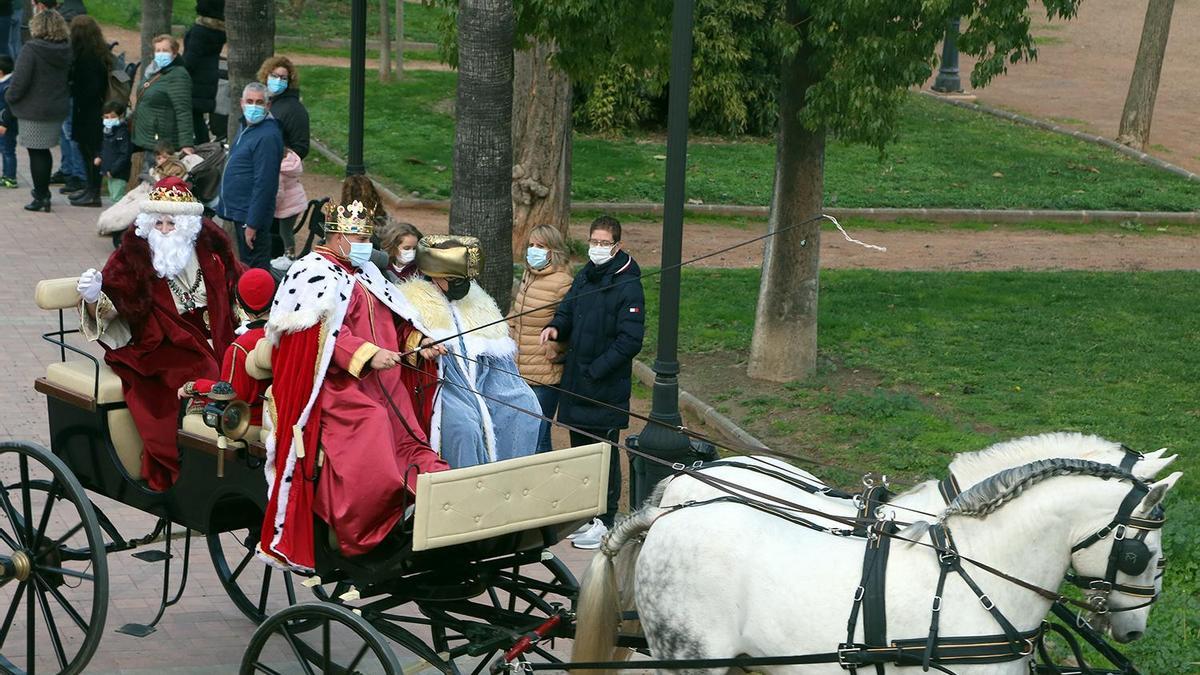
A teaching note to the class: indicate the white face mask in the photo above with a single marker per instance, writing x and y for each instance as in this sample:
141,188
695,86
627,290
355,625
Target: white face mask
600,254
406,255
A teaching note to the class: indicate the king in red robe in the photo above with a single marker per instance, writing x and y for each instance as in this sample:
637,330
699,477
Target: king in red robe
345,442
160,299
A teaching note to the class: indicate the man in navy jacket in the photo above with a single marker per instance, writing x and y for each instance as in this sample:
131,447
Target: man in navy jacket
602,320
251,178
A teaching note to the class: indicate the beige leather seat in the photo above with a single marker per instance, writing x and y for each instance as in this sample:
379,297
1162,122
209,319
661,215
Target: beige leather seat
79,376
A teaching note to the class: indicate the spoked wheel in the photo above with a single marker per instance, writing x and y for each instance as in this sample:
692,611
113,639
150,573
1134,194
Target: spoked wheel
256,588
522,599
339,642
53,570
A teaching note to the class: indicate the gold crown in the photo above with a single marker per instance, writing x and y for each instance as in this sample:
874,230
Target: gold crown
175,200
171,194
352,219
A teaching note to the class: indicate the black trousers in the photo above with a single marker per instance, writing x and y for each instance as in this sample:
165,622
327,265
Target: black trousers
614,467
39,170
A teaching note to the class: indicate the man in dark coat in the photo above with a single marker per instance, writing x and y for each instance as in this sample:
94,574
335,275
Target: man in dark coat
162,309
251,179
602,320
202,46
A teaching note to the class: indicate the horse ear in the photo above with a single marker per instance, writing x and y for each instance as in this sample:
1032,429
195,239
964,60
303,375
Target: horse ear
1149,467
1157,492
1154,455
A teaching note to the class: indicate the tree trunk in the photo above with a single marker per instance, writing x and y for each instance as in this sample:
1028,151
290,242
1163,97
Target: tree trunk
399,39
541,172
385,42
784,345
250,26
156,20
1143,86
481,204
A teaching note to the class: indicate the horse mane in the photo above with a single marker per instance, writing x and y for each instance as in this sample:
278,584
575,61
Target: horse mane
972,466
990,494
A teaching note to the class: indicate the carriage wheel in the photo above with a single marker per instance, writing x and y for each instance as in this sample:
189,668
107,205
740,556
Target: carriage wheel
256,588
53,569
339,641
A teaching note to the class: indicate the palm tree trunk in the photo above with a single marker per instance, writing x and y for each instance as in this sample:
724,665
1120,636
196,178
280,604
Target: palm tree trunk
541,173
156,20
1143,86
481,204
385,42
399,39
250,25
784,345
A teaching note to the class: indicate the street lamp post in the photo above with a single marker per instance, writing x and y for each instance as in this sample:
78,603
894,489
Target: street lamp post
358,73
948,80
657,439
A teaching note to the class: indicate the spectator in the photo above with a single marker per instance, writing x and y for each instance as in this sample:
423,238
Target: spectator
202,45
7,17
89,86
283,83
251,179
115,150
8,126
163,111
399,242
290,201
71,173
543,285
603,332
68,8
35,97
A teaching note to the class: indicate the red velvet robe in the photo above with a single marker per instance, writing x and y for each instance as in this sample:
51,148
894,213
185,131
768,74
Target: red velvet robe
167,350
371,451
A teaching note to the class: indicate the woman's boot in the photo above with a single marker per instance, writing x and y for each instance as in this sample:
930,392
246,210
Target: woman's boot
39,203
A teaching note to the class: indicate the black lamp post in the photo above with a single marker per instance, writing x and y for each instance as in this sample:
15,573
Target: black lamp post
948,81
656,439
358,73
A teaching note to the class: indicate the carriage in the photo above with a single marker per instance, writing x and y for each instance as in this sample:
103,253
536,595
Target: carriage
470,585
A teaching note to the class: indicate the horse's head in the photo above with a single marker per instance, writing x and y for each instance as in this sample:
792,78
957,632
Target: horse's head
1121,571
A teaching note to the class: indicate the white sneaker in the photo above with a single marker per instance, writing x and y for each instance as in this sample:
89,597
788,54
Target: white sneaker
582,528
282,263
591,539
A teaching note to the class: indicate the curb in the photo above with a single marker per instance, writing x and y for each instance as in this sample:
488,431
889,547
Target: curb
885,215
1140,156
703,411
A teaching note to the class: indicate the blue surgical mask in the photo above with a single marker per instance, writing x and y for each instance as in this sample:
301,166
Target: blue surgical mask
111,122
360,253
254,113
276,85
536,257
163,59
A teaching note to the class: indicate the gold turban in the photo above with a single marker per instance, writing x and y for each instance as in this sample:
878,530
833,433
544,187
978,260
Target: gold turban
449,256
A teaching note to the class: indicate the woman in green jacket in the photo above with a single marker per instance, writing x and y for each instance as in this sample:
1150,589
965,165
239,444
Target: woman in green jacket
164,101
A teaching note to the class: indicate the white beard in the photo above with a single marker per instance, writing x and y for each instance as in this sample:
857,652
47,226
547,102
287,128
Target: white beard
170,253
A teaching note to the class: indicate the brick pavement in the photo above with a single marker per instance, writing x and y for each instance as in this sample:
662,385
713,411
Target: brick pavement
204,632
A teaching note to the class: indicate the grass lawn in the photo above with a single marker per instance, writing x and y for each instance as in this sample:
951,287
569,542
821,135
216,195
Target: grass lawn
918,366
945,157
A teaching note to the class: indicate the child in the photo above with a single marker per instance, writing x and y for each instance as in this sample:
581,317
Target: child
255,290
115,150
8,127
290,201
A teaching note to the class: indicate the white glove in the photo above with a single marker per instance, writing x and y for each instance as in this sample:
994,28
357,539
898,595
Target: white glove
89,285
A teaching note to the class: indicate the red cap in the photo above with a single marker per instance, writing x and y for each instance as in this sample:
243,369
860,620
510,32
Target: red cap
255,289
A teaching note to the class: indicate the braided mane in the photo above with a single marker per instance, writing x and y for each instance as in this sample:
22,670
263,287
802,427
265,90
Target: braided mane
996,491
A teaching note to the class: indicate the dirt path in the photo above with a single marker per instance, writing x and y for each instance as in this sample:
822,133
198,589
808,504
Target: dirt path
1082,74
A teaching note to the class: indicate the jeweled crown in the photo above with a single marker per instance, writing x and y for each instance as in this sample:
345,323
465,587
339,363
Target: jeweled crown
353,218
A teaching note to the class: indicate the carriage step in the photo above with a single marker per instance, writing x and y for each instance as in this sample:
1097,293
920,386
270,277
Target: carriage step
138,630
151,556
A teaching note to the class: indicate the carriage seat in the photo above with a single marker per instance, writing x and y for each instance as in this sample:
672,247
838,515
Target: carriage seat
100,385
194,424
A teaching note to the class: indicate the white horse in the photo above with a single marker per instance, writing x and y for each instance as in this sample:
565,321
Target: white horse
925,500
723,580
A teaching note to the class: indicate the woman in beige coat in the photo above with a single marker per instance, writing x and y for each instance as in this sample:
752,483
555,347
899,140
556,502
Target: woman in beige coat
545,281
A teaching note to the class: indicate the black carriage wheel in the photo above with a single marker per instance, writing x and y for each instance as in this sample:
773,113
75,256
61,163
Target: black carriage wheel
257,589
52,561
339,642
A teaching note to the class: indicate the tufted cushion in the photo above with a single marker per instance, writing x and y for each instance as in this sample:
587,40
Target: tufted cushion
80,375
126,440
56,293
488,500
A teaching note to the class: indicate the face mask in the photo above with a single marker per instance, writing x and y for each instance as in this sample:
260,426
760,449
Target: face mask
407,255
276,85
536,257
458,289
360,253
600,254
111,122
163,59
254,113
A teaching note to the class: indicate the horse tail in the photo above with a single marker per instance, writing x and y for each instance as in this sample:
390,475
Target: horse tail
607,587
